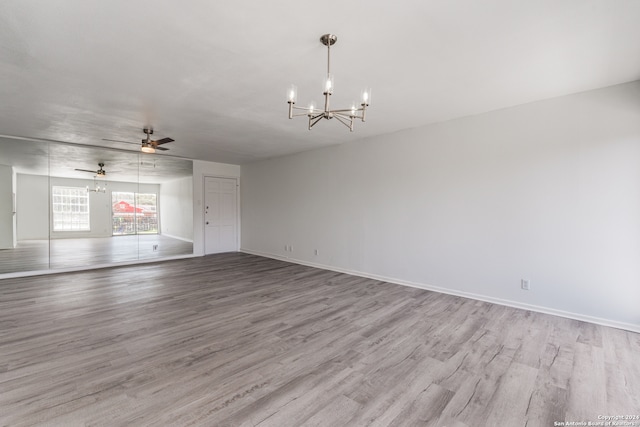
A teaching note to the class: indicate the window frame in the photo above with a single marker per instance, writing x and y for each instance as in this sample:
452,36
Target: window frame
64,209
138,218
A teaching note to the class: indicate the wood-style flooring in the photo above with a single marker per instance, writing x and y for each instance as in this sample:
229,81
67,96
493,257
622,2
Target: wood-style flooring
240,340
35,255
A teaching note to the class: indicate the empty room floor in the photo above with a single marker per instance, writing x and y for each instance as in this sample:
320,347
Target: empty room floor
236,339
35,255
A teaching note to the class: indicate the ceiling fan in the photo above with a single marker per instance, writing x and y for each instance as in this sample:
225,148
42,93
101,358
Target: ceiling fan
100,172
148,145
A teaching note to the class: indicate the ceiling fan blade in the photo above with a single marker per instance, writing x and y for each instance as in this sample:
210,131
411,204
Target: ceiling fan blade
117,140
86,170
163,141
162,149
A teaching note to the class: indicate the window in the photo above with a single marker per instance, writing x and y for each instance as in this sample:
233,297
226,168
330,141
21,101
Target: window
134,213
70,209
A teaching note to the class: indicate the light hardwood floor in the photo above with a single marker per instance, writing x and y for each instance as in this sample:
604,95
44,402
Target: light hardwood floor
236,339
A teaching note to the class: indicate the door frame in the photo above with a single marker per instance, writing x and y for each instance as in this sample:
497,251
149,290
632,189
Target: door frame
202,209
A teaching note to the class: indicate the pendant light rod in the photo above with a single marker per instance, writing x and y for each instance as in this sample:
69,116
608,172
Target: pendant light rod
328,40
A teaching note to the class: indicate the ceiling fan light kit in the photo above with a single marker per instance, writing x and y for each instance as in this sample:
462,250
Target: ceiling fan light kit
148,145
345,116
147,148
99,174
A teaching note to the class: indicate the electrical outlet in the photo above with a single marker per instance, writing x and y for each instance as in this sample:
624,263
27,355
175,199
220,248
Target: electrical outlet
316,252
525,284
155,248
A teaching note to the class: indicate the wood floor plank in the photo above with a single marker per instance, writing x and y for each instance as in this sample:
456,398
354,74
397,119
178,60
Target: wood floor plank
512,399
587,386
621,366
240,340
425,408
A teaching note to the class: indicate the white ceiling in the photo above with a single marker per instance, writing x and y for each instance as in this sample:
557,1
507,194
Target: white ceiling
213,75
62,160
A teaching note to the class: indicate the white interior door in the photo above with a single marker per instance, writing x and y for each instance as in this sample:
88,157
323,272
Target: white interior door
220,215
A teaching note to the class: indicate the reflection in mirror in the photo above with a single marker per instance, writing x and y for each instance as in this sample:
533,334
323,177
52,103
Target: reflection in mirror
24,240
80,206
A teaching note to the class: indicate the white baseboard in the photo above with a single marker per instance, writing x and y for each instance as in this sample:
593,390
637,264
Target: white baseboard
540,309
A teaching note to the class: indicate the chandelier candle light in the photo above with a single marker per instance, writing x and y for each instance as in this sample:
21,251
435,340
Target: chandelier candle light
96,186
344,116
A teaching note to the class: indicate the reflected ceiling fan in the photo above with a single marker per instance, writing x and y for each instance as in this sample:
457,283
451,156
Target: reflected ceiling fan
99,173
148,145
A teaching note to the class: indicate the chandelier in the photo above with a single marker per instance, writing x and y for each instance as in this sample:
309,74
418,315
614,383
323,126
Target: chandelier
344,116
96,186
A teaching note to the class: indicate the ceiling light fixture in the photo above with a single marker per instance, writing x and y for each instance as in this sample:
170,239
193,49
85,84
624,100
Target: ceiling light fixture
96,187
147,144
344,116
147,147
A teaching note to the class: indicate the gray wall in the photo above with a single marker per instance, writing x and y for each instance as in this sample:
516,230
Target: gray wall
547,191
32,213
7,221
177,216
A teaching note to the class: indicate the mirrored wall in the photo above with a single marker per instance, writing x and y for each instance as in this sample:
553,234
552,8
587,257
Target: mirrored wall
66,206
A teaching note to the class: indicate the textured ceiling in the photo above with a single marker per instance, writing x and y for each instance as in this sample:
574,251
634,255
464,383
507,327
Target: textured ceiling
213,75
62,159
